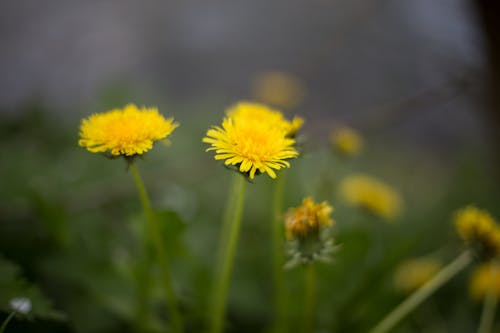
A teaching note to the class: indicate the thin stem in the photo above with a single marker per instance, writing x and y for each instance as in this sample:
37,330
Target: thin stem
6,321
143,278
278,257
226,256
309,299
490,304
158,243
420,295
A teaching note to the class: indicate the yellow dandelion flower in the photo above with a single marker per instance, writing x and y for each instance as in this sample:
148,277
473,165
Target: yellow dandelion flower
483,279
279,89
260,113
371,194
129,131
307,218
479,231
347,141
414,273
251,146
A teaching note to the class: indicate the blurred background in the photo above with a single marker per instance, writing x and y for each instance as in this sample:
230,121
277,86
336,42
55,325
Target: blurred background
420,80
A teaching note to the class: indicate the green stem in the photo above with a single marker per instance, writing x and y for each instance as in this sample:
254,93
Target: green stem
6,321
421,294
278,257
158,243
490,304
226,255
309,299
143,279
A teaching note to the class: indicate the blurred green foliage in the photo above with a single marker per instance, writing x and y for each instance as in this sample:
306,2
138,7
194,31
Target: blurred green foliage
71,231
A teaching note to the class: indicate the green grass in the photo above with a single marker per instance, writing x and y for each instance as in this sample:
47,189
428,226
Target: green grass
71,226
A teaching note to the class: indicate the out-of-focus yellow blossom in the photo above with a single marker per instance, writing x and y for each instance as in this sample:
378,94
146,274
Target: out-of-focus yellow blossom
260,113
129,131
279,89
252,145
484,278
307,219
371,194
479,231
414,273
346,141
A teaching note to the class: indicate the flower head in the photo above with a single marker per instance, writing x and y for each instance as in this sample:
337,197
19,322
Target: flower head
252,144
21,305
307,231
373,195
484,278
129,131
479,231
307,218
346,141
414,273
260,113
278,89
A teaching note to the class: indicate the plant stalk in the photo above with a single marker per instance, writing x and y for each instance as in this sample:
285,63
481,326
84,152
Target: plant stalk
280,296
421,294
309,298
6,321
230,233
490,304
155,236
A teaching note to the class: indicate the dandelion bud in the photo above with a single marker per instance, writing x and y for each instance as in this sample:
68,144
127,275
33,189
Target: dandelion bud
346,141
479,231
307,232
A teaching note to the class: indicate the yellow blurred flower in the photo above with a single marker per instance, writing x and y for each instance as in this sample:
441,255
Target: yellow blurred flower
414,273
371,194
479,231
260,113
347,141
485,277
307,218
129,131
279,89
251,145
